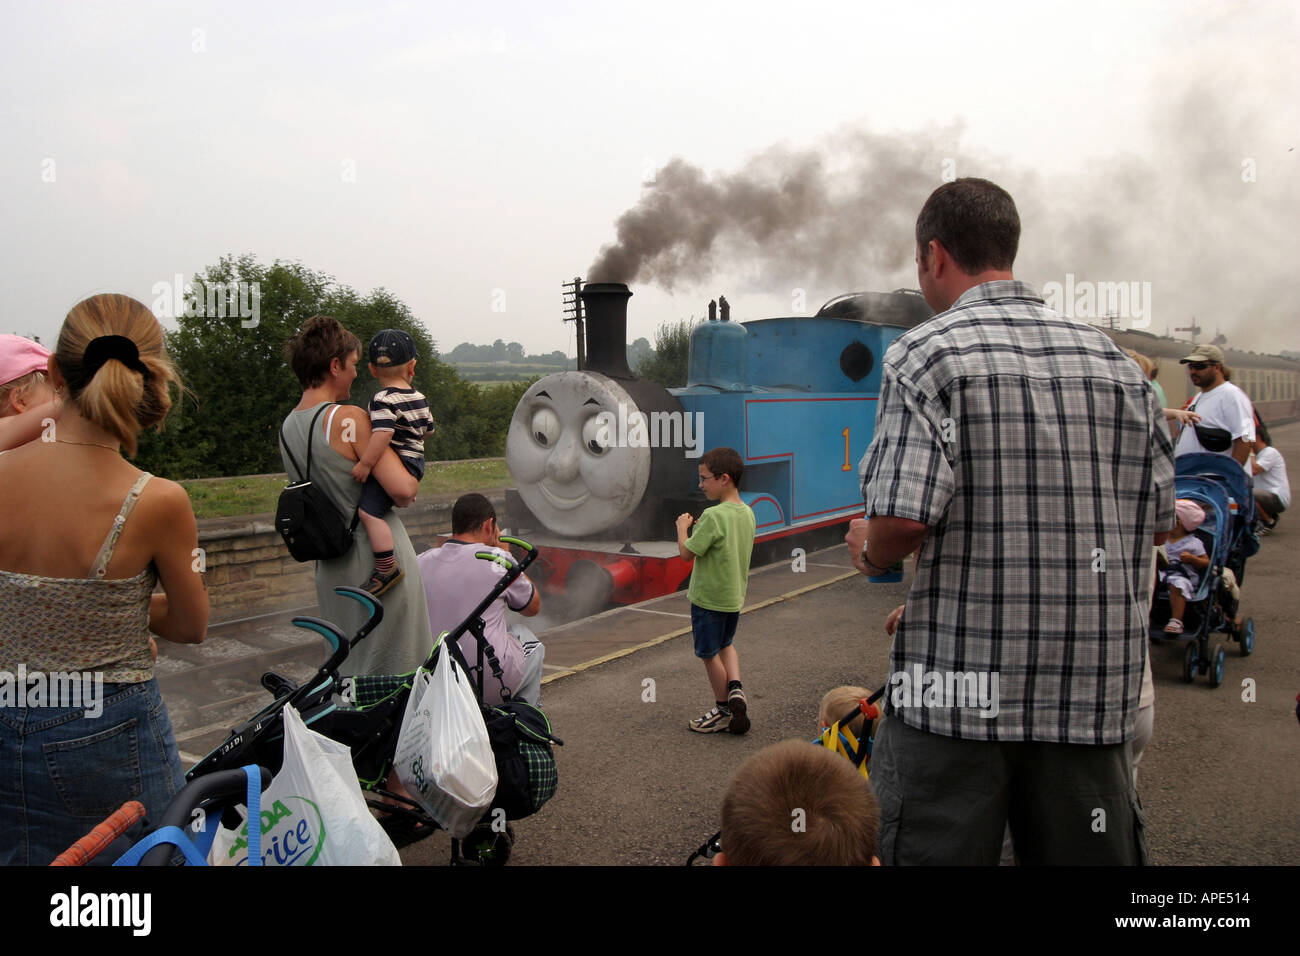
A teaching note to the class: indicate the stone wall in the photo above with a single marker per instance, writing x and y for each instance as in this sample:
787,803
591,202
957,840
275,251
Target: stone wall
249,570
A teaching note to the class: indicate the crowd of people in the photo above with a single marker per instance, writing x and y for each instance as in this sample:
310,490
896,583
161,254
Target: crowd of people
80,574
1061,451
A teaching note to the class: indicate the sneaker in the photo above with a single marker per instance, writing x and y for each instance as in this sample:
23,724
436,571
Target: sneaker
1174,626
1262,529
379,583
715,721
739,711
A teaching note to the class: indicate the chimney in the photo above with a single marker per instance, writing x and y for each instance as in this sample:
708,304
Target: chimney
713,311
725,306
606,308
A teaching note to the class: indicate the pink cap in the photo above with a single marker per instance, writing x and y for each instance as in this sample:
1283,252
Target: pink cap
1190,515
20,356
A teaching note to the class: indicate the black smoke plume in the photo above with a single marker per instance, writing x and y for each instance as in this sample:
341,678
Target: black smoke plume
1206,215
826,216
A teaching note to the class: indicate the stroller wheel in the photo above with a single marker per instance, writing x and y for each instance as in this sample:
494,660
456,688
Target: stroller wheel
1247,637
1189,663
1216,665
488,847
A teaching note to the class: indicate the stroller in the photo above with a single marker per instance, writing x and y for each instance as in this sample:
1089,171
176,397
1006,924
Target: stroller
366,712
1223,489
125,839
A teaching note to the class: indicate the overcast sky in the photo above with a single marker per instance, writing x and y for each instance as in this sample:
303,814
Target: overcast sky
471,159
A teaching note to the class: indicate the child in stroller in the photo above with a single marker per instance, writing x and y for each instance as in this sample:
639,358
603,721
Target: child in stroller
1184,561
1220,489
848,717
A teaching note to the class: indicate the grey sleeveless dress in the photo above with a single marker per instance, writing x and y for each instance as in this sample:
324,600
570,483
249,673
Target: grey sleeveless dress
403,640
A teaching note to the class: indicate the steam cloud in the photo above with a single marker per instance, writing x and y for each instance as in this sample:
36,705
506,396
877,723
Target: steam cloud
1207,216
829,216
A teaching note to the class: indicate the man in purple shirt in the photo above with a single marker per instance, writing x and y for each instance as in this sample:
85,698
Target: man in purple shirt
455,582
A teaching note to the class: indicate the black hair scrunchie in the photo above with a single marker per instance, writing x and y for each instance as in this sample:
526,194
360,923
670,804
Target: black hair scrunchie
107,347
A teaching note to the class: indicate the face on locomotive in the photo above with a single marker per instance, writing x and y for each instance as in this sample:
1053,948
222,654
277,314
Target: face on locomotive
573,478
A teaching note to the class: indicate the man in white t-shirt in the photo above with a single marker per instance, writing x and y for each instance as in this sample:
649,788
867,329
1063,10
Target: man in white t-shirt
1221,405
455,582
1272,489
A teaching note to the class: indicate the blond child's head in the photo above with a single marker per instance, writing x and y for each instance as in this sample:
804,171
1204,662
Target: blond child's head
797,804
392,356
23,382
838,701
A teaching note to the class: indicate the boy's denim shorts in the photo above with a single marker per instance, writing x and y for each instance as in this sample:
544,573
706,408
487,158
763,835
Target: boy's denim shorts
374,500
713,630
62,771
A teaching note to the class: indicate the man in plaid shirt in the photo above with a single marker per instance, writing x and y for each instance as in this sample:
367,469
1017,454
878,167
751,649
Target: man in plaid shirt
1026,455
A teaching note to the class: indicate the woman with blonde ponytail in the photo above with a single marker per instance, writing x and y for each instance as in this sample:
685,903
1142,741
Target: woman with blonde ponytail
85,539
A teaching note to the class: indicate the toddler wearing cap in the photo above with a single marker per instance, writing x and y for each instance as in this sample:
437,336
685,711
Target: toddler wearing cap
26,398
400,419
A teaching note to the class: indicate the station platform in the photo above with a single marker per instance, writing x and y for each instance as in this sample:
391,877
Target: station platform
1218,780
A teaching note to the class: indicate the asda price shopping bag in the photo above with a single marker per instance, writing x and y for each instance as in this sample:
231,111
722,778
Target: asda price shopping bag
313,813
444,757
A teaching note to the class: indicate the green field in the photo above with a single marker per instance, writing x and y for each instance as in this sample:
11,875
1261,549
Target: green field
258,494
503,373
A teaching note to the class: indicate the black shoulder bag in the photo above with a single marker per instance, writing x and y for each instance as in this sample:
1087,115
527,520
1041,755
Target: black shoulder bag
1211,438
311,526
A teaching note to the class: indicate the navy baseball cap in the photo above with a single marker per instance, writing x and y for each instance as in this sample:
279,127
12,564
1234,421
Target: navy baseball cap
391,347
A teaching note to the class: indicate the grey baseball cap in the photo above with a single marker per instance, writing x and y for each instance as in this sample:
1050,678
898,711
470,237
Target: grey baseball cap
1202,353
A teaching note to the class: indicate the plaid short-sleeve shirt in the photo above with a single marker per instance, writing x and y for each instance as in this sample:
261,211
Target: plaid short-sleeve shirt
1037,454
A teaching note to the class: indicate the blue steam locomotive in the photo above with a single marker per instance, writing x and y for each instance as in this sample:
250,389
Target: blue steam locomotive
604,461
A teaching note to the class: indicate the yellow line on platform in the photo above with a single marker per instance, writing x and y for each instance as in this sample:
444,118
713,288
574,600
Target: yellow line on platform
654,642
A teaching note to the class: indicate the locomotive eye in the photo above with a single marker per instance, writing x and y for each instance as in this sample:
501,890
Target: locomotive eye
856,361
596,435
545,427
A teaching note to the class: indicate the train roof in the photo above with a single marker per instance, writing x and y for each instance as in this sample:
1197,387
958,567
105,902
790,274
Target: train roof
1161,346
904,308
907,309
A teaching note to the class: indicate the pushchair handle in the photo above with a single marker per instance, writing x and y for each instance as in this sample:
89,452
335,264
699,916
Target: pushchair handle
223,786
374,610
325,629
512,570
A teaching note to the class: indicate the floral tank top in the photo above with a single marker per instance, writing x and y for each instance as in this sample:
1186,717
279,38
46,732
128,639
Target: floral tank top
80,624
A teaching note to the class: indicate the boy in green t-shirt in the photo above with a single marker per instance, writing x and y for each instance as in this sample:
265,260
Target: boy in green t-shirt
721,546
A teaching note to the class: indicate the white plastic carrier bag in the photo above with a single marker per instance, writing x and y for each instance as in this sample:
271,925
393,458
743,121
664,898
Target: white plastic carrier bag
444,757
313,813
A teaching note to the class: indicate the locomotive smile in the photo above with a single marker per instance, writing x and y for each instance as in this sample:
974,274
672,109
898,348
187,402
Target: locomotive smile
559,501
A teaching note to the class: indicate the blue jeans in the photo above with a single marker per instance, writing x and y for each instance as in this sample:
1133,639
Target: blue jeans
62,772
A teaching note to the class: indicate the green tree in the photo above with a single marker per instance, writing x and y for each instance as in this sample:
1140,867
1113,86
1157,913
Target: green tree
638,352
667,365
239,386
